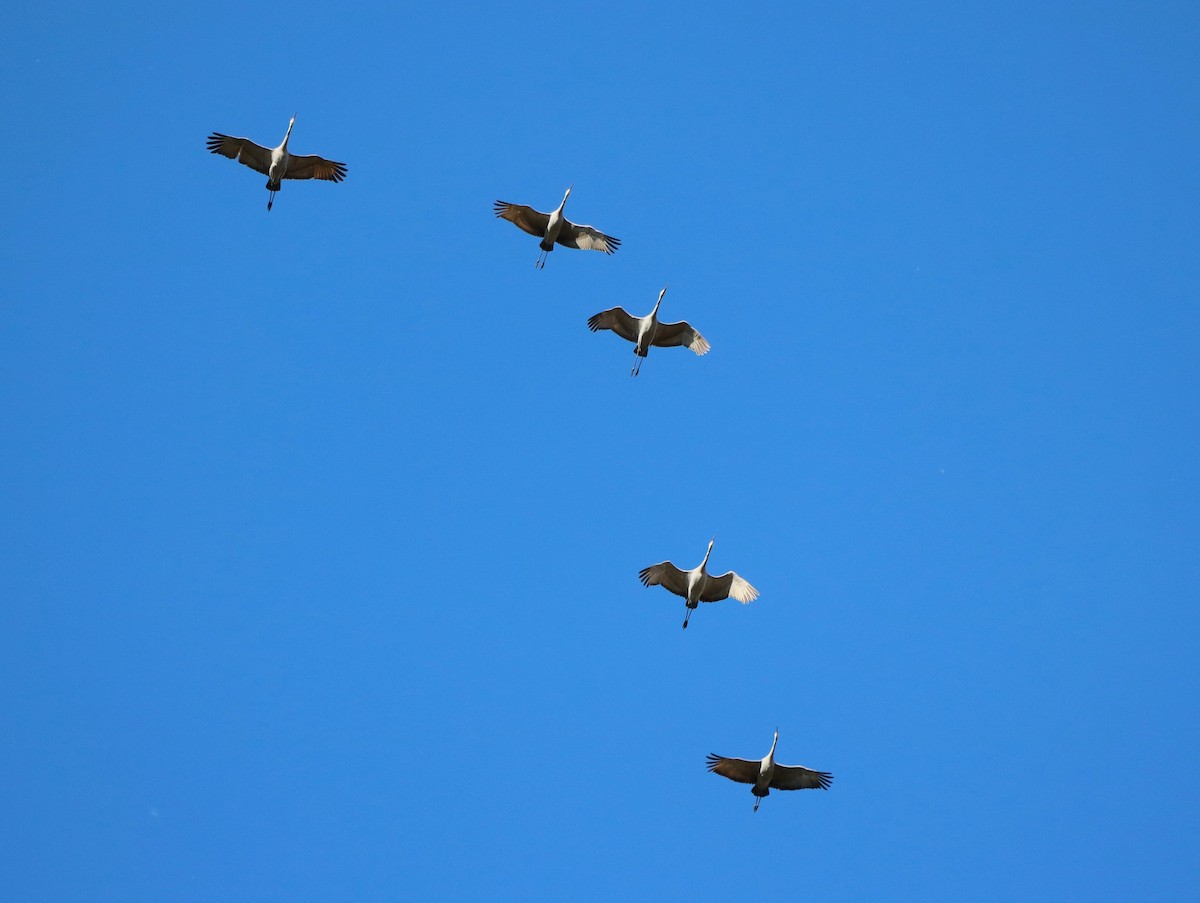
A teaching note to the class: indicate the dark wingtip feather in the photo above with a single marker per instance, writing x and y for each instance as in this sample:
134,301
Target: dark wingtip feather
594,322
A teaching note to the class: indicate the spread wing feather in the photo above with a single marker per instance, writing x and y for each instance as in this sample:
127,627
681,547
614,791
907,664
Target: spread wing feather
728,586
241,149
314,167
618,321
667,335
586,238
741,770
526,218
797,777
666,575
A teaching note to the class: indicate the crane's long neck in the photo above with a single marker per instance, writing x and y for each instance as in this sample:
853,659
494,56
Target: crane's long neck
654,313
288,134
704,563
771,754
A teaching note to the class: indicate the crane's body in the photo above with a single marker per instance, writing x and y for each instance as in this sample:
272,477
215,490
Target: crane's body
279,164
553,228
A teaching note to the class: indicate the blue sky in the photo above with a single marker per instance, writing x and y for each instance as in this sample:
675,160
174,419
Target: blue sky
320,529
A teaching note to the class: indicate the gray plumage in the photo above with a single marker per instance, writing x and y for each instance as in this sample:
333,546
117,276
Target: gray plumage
276,163
766,775
697,585
554,227
647,331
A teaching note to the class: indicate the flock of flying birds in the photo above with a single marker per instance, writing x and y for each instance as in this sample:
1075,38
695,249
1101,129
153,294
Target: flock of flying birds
695,585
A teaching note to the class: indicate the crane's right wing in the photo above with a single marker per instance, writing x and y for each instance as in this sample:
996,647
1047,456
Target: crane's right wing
728,586
797,777
313,167
241,149
667,335
586,238
666,575
741,770
532,221
618,321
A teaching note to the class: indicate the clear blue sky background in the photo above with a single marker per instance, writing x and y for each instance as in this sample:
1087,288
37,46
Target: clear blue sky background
320,528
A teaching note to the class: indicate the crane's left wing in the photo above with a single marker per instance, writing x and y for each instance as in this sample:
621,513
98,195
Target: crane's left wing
797,777
728,586
586,238
314,167
668,335
618,321
741,770
241,149
666,574
525,218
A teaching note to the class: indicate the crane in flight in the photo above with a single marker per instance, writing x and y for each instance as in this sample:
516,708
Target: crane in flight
554,227
767,775
648,330
697,585
276,163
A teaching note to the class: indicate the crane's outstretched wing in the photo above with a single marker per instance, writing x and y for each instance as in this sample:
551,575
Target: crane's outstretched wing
532,221
313,167
797,777
667,575
741,770
670,334
618,321
585,238
728,586
241,149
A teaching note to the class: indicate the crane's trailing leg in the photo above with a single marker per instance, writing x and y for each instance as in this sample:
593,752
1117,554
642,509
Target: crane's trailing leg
685,618
757,800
